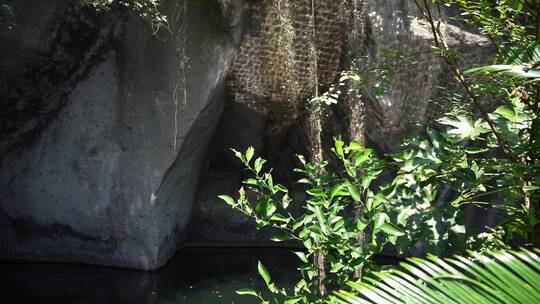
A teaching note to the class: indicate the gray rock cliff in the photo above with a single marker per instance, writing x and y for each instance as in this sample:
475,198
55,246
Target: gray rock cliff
102,154
106,126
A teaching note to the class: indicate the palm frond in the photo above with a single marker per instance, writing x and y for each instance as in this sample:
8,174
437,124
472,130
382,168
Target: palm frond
513,71
499,277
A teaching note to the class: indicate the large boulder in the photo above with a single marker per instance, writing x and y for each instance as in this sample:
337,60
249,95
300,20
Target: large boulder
105,172
390,25
411,99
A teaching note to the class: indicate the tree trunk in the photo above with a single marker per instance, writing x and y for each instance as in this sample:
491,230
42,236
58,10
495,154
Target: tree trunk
314,134
355,12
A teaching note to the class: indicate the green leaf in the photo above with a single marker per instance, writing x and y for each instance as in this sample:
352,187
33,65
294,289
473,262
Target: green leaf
513,71
404,214
506,112
355,194
361,224
239,155
266,208
247,291
516,4
523,53
272,287
530,188
320,217
259,163
497,277
251,182
316,192
281,237
229,200
302,256
269,181
339,148
354,146
264,273
304,181
249,154
380,220
280,218
391,229
338,190
464,127
301,158
293,300
336,267
281,188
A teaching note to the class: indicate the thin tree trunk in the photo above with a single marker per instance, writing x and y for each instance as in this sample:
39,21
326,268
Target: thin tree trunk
314,134
355,12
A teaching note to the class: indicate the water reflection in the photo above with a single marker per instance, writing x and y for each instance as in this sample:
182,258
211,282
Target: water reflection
193,276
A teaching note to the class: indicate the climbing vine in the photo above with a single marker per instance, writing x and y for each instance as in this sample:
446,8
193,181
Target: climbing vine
179,29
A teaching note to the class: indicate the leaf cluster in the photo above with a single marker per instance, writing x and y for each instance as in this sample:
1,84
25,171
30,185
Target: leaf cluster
327,223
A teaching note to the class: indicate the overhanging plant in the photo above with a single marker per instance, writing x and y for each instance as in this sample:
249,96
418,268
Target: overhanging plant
499,277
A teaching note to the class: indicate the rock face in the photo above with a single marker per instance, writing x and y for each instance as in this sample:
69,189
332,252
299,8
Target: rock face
389,25
106,171
104,132
410,99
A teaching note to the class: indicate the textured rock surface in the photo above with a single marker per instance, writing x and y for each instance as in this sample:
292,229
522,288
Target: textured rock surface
104,132
107,172
274,72
389,25
396,25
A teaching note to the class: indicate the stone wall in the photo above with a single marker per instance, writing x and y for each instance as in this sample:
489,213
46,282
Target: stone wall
108,127
411,99
261,79
274,72
105,126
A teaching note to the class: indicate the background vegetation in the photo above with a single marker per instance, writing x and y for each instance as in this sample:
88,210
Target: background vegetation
484,151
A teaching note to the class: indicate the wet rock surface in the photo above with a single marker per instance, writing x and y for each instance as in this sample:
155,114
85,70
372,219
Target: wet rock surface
103,146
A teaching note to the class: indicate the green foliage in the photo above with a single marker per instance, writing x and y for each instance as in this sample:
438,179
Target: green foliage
495,277
499,19
375,76
457,160
465,160
523,64
480,157
6,16
523,72
326,224
483,151
146,9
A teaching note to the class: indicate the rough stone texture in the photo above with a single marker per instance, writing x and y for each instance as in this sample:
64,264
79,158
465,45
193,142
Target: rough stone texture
271,79
274,72
396,25
104,132
255,88
107,172
52,47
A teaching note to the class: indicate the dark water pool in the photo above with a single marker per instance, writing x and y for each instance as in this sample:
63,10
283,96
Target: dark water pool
194,276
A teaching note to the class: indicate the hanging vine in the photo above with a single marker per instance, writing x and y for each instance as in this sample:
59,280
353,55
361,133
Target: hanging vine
180,36
315,130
